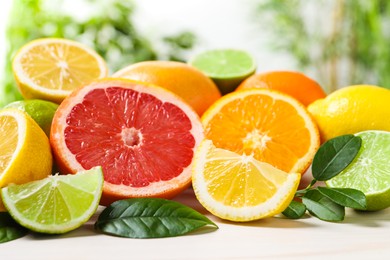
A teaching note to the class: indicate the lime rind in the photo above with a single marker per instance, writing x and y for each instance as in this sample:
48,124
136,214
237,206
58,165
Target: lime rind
57,204
41,111
369,172
226,67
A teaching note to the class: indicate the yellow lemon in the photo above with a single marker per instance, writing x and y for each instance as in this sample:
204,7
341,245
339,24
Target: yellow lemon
239,187
351,110
25,153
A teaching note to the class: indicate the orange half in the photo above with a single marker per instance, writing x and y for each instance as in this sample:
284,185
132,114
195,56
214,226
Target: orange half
269,125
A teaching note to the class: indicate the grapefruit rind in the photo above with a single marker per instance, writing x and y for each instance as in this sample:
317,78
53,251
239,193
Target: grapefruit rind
67,161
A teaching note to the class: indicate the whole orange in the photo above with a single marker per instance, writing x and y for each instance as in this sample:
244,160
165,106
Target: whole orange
185,81
293,83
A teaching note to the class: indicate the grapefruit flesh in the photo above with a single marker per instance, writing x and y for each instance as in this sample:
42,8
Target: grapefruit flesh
143,137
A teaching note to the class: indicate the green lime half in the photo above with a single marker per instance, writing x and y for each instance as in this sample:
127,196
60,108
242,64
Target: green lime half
226,67
57,204
369,172
41,111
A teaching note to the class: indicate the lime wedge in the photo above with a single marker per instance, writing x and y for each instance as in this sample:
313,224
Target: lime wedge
41,111
226,67
369,172
57,204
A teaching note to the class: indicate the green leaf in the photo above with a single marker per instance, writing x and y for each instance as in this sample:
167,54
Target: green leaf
334,156
295,210
9,228
346,197
322,207
149,218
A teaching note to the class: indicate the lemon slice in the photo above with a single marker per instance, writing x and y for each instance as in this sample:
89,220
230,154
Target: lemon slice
56,204
25,153
238,187
51,68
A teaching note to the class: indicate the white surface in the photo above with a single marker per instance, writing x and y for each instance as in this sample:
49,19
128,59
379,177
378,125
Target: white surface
359,236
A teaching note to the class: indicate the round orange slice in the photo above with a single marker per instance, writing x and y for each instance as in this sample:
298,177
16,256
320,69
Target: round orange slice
143,137
272,126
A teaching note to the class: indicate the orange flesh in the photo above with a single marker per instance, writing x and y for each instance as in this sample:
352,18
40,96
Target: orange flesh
276,135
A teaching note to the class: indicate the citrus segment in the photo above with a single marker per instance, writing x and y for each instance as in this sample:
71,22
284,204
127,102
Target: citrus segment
238,187
293,83
51,68
226,67
24,149
351,110
369,172
142,135
185,81
271,126
56,204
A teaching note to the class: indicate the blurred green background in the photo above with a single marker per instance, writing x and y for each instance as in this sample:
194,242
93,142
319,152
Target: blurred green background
108,28
343,42
336,42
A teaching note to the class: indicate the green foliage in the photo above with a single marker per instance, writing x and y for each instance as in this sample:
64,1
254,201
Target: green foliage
329,203
106,26
150,218
345,43
334,156
179,43
9,228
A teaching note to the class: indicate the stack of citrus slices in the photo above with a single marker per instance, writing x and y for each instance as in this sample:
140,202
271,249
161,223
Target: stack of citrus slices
263,141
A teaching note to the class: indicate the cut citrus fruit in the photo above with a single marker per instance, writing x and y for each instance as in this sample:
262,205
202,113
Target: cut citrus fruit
40,110
272,126
56,204
51,68
293,83
351,110
226,67
369,172
24,149
238,187
142,135
185,81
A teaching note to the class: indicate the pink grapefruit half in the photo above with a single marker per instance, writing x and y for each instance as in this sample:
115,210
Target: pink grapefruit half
142,135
